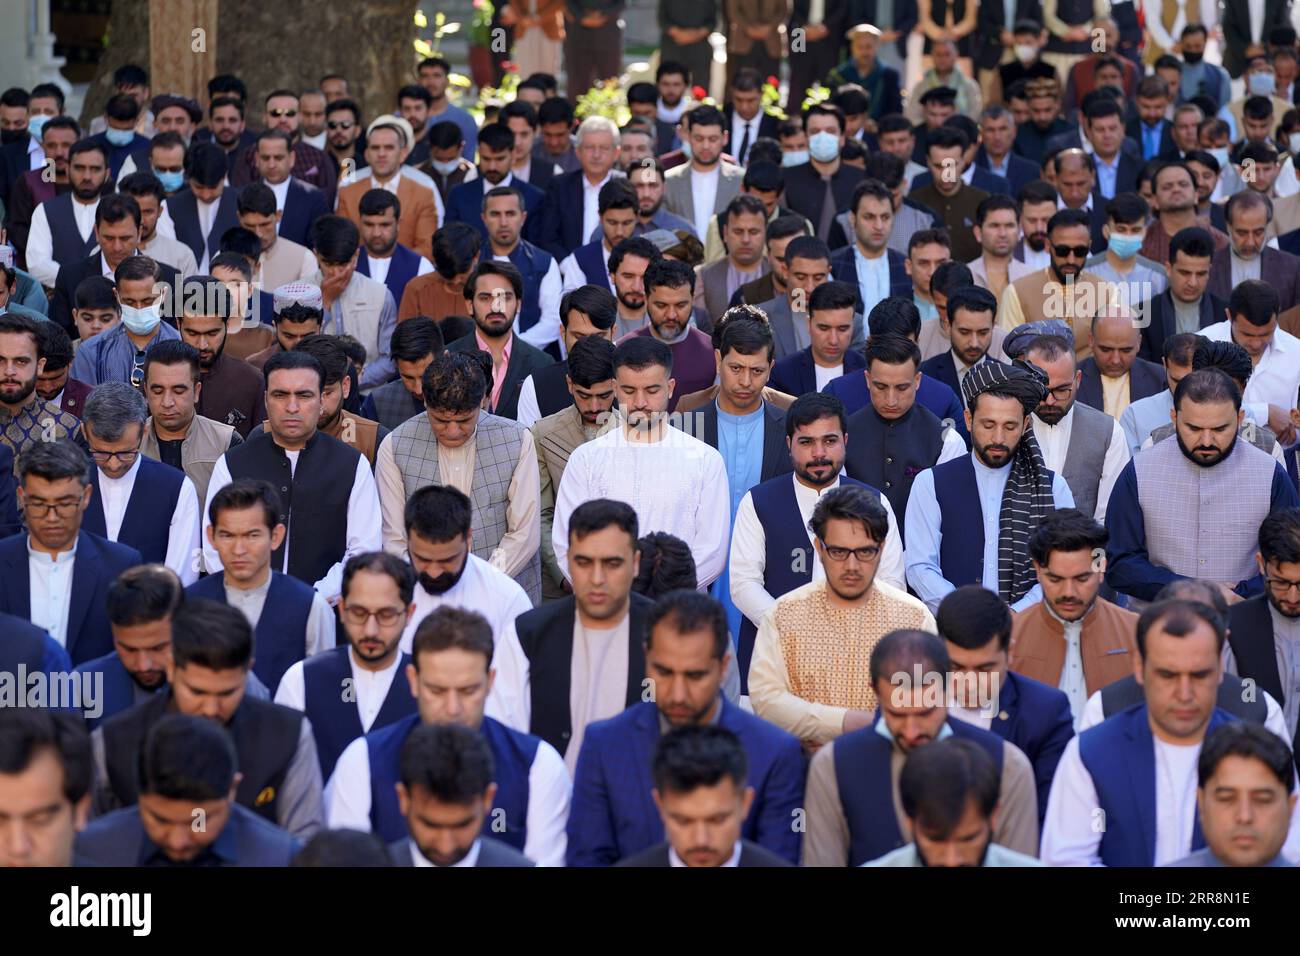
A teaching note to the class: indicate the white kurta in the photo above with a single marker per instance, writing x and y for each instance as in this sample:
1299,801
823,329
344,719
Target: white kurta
183,525
482,588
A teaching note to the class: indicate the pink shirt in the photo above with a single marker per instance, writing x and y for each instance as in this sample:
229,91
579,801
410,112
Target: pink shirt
498,371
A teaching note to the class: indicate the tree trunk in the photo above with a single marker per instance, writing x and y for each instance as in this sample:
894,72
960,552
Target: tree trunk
284,43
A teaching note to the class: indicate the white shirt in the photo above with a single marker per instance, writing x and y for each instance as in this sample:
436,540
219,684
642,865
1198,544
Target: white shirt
50,589
572,276
1276,377
1054,442
318,140
40,242
379,267
370,688
749,550
347,800
183,531
738,125
364,523
704,192
482,588
470,859
974,716
549,292
281,191
591,203
1036,260
528,412
1256,10
873,279
677,484
733,860
169,250
825,375
207,213
1073,682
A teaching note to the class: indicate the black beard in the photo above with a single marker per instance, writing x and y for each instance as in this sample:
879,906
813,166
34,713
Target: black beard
983,854
1187,452
443,582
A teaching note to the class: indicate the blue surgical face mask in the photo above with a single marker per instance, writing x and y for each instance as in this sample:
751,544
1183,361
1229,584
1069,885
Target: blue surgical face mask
171,180
1221,154
795,157
824,146
1261,84
119,137
36,124
141,321
1126,247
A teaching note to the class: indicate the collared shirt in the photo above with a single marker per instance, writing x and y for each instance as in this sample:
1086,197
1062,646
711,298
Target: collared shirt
281,191
50,589
1151,136
1072,682
591,203
704,192
995,856
1276,377
1144,416
733,860
1187,315
1141,283
36,421
873,278
111,356
1054,442
369,688
498,368
929,311
469,859
1003,168
924,530
740,441
319,633
183,533
1243,269
738,127
736,278
1107,175
1115,394
482,588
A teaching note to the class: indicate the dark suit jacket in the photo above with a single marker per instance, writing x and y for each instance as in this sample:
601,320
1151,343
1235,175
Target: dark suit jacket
1073,139
71,275
1161,323
465,204
13,163
524,360
797,374
303,205
1145,379
776,457
845,269
1134,132
751,854
183,207
491,852
1019,169
942,368
559,229
767,126
614,814
760,290
990,21
982,178
1236,29
1279,269
9,521
117,839
541,172
1036,718
804,190
98,562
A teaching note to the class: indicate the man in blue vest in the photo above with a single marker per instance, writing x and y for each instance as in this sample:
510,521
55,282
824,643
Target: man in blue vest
450,675
207,676
290,620
377,602
138,501
976,626
687,647
187,772
383,258
771,544
590,263
45,777
444,794
504,216
852,796
969,519
1137,771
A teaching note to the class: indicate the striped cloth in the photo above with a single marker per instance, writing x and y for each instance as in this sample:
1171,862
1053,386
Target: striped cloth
1027,497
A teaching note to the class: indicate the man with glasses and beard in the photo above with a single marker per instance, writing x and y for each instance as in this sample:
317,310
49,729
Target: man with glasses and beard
1188,509
375,607
439,542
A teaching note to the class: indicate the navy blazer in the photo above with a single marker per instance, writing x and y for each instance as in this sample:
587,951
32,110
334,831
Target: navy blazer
1144,379
9,521
845,269
797,374
559,227
613,815
465,204
776,456
982,178
1162,323
183,207
1037,719
118,839
99,561
1134,132
1019,169
303,205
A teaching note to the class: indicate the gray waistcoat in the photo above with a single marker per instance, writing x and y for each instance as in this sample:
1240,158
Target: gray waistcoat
1090,435
1204,522
496,454
1261,438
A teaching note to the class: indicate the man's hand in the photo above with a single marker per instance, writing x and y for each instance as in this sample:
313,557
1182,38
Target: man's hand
593,20
1253,50
757,33
678,35
1077,33
1279,423
818,32
889,36
856,720
332,288
1007,38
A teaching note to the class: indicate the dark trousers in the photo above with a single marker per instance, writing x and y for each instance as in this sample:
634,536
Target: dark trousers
698,57
591,55
809,68
757,57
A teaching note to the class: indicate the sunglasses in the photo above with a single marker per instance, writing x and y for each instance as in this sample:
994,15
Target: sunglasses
137,370
279,113
339,124
1067,252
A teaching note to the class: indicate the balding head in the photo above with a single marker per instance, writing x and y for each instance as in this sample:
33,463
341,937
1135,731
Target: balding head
1114,338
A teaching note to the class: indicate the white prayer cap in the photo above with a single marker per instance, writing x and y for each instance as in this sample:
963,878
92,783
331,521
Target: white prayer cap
397,122
297,293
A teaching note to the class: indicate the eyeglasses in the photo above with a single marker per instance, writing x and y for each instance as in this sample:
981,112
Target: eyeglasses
1062,392
1067,252
1281,586
386,616
137,370
104,457
39,509
279,113
864,555
339,124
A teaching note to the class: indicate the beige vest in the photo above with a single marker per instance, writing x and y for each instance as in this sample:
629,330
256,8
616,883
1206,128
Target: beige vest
206,442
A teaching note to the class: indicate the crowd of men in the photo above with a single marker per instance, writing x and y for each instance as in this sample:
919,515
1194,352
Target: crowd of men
909,481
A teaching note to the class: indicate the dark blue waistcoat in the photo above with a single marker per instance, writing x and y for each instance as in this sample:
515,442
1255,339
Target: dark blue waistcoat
153,499
333,714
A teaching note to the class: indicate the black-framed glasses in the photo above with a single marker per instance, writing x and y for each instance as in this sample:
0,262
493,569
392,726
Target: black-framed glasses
339,124
838,555
1062,393
1281,586
104,457
38,508
279,113
386,616
1066,252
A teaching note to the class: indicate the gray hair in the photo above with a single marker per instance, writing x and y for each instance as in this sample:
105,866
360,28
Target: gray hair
54,461
113,406
1190,108
597,124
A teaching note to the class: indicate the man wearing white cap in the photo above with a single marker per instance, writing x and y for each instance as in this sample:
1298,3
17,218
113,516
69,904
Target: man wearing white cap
388,143
297,312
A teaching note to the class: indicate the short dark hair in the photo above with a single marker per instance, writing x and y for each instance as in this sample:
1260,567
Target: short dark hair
187,758
1068,219
851,503
940,780
1128,208
706,115
455,246
601,513
415,338
926,237
616,194
335,238
971,616
1037,191
27,732
902,651
285,361
747,336
666,565
376,202
813,407
638,246
140,184
438,513
591,360
327,350
54,346
784,226
452,763
1207,385
496,138
897,315
244,493
946,137
743,204
639,352
334,848
212,635
1066,529
96,292
1255,301
448,627
1179,349
206,164
122,107
992,203
1192,241
116,207
256,198
892,350
833,295
973,299
1279,536
825,108
453,382
55,461
444,134
686,610
597,303
491,267
807,247
381,562
668,273
1179,618
695,756
144,594
1251,741
172,352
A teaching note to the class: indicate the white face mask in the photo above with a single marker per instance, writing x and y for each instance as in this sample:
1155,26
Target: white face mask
446,167
1294,140
141,321
1025,52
